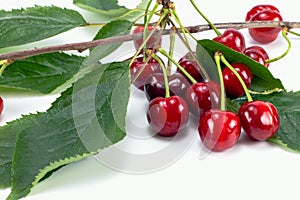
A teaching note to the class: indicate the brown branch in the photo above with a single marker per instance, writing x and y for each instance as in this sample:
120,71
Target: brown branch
82,46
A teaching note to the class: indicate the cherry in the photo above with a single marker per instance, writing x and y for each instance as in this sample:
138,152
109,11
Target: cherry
258,8
1,105
191,67
232,84
258,54
219,130
259,119
202,97
150,42
167,116
138,68
265,35
155,85
233,39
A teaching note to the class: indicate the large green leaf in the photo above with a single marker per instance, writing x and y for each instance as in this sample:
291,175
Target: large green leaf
87,117
262,77
287,104
43,73
18,27
111,8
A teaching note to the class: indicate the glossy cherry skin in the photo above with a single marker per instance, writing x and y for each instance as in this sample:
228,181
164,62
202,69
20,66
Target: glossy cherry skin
258,8
167,116
259,119
219,130
265,35
202,97
1,105
138,68
258,54
150,43
233,39
232,84
155,85
191,67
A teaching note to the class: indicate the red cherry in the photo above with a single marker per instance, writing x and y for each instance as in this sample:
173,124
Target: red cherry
232,84
138,68
1,105
258,54
150,42
155,85
167,116
219,130
259,119
202,97
258,8
265,35
191,67
233,39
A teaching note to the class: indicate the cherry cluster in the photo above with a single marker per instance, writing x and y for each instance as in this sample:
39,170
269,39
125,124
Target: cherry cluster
173,96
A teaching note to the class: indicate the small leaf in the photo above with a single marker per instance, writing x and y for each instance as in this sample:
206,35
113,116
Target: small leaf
43,73
111,8
287,104
18,27
262,78
82,122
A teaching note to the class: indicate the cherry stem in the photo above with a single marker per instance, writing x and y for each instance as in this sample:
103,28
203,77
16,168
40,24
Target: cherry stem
167,88
205,18
223,98
4,64
171,51
284,35
147,21
149,36
163,52
223,59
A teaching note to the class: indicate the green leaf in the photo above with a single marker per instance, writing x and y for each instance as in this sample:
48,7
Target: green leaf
87,118
110,8
18,27
112,29
288,107
43,73
262,78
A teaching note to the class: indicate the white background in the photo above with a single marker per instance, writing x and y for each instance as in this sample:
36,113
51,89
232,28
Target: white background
250,170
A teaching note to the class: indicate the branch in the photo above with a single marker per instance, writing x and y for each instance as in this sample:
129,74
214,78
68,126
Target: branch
82,46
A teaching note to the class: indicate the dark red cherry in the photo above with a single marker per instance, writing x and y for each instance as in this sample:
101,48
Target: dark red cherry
150,43
258,54
167,116
155,85
1,105
202,97
219,130
191,66
233,39
232,84
258,8
265,35
141,71
259,119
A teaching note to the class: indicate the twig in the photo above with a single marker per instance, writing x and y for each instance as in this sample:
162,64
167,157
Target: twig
82,46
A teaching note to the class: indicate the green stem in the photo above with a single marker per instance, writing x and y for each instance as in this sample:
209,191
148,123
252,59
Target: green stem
171,51
149,36
266,92
284,35
294,33
163,52
223,98
167,88
206,19
223,59
147,21
4,64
